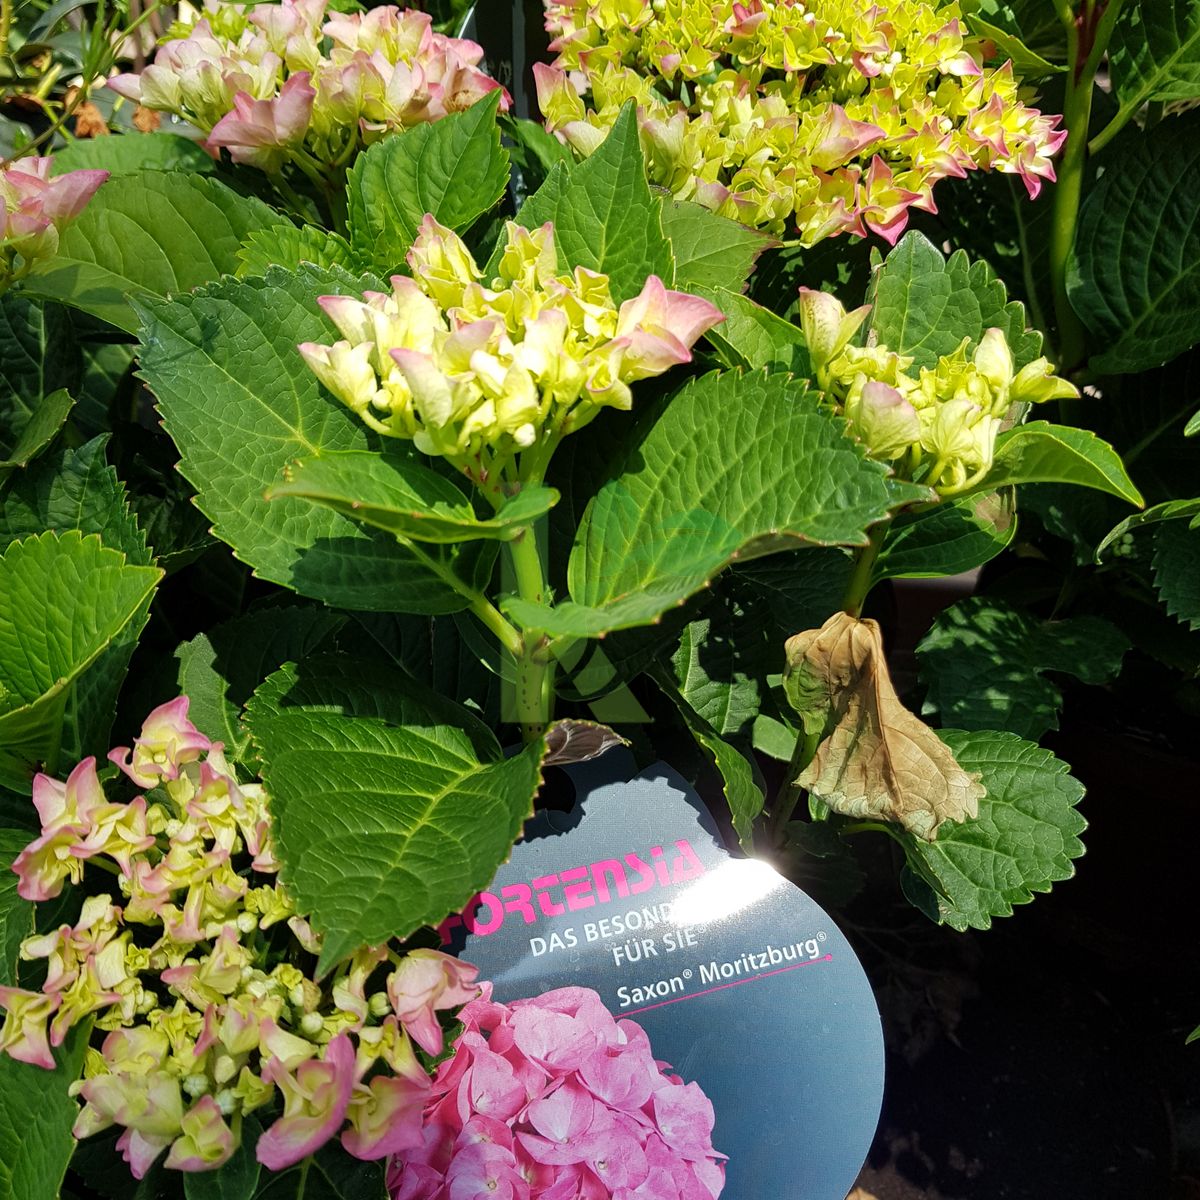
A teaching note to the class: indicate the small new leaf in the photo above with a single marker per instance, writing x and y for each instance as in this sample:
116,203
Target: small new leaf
877,759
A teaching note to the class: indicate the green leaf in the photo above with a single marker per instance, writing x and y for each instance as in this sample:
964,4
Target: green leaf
400,494
235,1180
16,915
41,429
925,304
220,669
151,233
948,539
73,489
1027,63
710,251
330,1174
1177,571
239,402
1170,510
129,153
742,791
1134,274
1155,53
1043,453
36,1116
289,246
983,665
754,337
40,356
712,680
392,805
732,466
1022,842
454,168
605,217
1193,426
64,599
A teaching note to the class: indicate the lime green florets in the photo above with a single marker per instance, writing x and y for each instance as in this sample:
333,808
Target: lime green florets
835,115
937,426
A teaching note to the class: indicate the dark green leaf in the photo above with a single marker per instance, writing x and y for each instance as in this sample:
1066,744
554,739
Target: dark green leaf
129,153
43,425
399,493
1170,510
454,168
241,405
16,915
983,665
1155,53
150,233
1134,276
754,337
605,217
392,805
732,466
1022,842
39,355
1177,571
926,304
36,1116
237,1179
950,538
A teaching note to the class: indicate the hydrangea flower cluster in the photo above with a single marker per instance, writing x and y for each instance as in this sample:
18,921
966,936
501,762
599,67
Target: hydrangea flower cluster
553,1099
279,82
34,208
938,427
197,972
475,373
837,117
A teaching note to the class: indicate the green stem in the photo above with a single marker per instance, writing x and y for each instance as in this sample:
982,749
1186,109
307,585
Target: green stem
1088,35
6,16
864,565
535,666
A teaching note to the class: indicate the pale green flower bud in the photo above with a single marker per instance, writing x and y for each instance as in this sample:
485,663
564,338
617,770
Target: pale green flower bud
883,418
1037,383
993,360
312,1024
196,1086
827,326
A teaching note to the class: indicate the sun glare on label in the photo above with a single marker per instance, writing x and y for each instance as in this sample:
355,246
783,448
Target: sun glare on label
731,888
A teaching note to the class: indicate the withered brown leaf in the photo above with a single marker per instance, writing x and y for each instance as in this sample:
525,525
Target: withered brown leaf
877,759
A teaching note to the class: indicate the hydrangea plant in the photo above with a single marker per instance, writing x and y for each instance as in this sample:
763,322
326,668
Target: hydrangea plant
285,428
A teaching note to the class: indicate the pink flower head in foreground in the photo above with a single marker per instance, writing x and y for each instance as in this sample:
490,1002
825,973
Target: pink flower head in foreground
553,1099
259,131
424,982
34,206
168,740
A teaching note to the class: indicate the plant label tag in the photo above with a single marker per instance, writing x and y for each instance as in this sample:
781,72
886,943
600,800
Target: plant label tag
740,980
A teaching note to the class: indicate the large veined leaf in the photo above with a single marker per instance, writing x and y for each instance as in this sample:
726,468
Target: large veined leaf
149,233
1022,842
998,24
950,538
1155,53
128,153
241,405
710,251
454,168
393,805
712,678
220,669
73,489
405,497
1043,453
732,466
925,304
64,599
605,216
289,246
1134,276
1177,571
753,336
16,914
983,665
36,1115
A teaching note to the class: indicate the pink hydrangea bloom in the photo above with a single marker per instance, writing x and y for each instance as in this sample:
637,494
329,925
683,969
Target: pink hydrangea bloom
168,740
553,1099
427,981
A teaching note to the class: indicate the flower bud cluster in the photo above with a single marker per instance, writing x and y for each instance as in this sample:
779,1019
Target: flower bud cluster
835,117
280,82
35,208
197,973
553,1099
476,373
938,426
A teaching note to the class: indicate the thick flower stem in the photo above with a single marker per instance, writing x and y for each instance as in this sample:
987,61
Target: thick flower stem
864,565
535,665
1088,34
